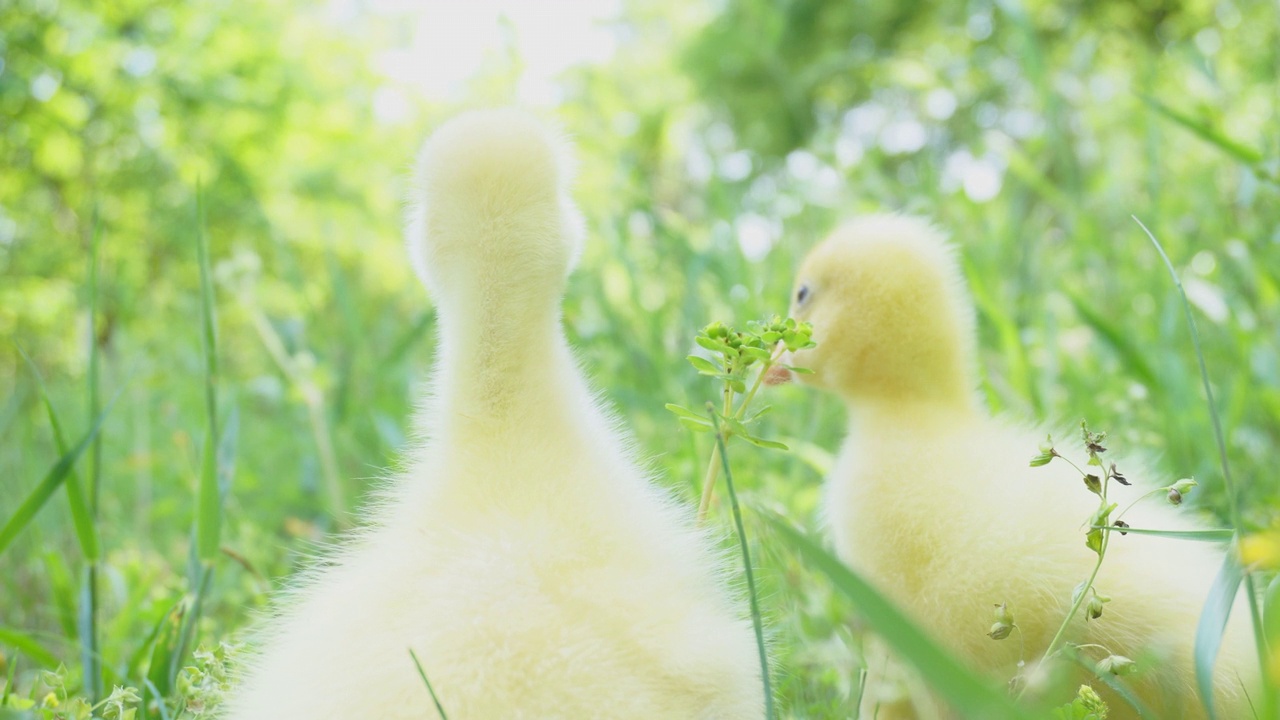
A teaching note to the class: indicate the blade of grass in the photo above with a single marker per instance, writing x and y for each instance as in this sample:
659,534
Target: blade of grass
965,692
95,398
8,683
148,644
1223,535
1205,132
27,511
208,500
161,708
1213,623
87,627
90,658
190,620
1229,485
756,621
164,648
1114,337
82,518
423,674
28,646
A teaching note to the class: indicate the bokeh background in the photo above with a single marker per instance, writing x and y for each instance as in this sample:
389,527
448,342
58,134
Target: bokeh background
718,141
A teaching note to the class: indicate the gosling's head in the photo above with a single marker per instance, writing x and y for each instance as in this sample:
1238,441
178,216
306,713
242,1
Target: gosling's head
890,314
491,214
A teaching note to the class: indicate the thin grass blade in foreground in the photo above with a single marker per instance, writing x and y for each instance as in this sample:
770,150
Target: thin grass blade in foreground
746,563
208,522
1212,625
29,646
87,616
1203,131
1233,499
27,511
1195,535
968,694
209,500
423,674
81,517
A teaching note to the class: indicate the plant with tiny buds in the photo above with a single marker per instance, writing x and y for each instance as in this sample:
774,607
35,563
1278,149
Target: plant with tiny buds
740,360
1088,705
1099,528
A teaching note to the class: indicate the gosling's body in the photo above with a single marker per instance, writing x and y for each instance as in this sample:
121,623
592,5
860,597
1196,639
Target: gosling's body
933,500
525,557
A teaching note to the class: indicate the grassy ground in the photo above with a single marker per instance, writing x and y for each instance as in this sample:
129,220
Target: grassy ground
1032,141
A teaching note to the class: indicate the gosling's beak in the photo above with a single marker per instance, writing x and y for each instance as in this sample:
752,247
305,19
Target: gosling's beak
779,374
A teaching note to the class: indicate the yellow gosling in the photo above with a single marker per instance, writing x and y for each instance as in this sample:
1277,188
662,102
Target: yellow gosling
933,500
523,553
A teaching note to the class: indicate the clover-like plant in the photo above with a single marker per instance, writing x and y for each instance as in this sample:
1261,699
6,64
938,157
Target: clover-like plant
739,360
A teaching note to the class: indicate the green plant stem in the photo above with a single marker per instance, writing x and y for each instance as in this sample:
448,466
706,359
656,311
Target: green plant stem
1139,499
1088,585
756,620
1075,607
713,468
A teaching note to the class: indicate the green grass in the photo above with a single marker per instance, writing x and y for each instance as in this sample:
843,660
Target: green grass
265,355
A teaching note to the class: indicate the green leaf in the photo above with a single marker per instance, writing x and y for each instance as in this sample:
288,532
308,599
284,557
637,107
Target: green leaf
1093,540
714,345
1223,535
761,442
970,695
82,519
696,425
28,646
703,365
681,411
1213,623
52,480
164,649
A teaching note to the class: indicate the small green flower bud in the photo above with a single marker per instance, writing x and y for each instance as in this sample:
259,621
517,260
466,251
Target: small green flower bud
1000,631
1091,701
1003,615
1094,610
1117,665
1004,623
1185,485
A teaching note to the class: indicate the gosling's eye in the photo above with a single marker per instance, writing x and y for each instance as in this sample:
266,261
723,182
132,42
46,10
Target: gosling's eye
802,294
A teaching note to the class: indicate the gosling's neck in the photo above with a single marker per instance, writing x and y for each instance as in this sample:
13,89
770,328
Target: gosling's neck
912,400
503,359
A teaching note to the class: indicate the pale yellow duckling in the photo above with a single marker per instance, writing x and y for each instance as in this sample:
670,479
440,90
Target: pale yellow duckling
933,500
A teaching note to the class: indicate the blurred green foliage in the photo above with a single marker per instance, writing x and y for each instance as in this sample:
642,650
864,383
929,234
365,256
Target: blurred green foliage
719,143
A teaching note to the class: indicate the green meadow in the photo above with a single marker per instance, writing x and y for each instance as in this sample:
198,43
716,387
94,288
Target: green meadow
211,343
